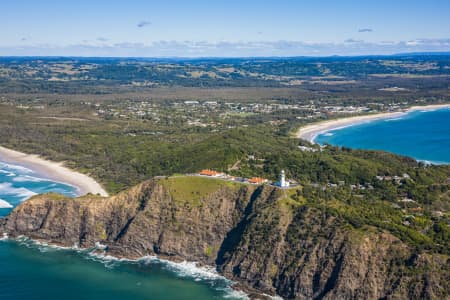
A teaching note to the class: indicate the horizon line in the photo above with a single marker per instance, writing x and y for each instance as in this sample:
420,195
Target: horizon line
425,53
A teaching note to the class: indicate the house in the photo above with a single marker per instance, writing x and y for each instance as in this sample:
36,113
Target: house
257,180
307,149
191,102
210,173
437,214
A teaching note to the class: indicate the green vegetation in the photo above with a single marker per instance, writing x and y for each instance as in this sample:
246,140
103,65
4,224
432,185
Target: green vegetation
194,189
100,75
57,196
124,121
209,251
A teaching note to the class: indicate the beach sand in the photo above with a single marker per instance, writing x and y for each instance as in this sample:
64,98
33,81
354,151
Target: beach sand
310,132
53,171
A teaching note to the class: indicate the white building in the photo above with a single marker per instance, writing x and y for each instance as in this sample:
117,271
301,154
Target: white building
283,183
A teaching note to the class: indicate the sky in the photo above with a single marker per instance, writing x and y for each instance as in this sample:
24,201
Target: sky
219,28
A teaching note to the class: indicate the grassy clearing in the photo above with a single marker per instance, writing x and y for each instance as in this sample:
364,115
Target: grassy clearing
194,189
56,196
289,197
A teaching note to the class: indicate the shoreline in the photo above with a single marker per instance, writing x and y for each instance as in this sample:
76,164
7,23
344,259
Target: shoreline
188,269
53,171
311,131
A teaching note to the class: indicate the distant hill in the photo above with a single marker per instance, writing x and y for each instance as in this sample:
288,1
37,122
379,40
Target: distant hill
422,54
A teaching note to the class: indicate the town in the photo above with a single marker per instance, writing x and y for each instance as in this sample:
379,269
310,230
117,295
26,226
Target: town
206,115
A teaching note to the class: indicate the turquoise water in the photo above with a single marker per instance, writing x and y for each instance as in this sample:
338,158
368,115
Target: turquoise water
423,135
32,271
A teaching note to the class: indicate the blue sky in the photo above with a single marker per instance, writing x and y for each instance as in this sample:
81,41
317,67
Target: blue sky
222,28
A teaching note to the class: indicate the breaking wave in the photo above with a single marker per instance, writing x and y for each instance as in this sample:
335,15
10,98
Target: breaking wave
7,173
8,189
188,270
27,178
185,269
394,119
5,204
9,167
13,189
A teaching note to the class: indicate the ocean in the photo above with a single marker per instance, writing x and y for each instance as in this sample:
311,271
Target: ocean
29,270
423,135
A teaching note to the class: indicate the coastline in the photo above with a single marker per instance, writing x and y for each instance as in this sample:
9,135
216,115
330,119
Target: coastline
53,171
183,268
310,132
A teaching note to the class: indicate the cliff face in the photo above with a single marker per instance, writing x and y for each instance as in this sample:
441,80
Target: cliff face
255,236
148,219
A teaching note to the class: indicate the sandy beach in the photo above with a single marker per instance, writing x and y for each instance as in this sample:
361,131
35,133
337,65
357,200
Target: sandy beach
53,171
310,132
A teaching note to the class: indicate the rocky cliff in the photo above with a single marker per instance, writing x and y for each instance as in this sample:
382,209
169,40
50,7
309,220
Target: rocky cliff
256,236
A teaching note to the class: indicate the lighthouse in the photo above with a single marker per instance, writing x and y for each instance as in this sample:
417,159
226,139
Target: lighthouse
283,182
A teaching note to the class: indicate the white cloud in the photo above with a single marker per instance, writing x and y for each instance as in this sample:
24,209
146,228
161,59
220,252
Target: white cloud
165,48
351,41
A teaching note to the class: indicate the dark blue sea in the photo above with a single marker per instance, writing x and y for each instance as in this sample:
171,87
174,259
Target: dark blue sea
423,135
31,271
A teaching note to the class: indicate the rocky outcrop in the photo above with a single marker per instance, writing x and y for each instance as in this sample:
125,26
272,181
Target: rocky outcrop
144,220
254,235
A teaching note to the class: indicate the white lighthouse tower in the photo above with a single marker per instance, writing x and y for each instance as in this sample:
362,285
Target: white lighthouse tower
283,182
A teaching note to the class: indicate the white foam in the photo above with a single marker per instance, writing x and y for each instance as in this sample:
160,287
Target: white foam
5,204
8,173
107,260
183,269
4,237
234,294
103,257
7,189
100,246
192,270
394,119
273,297
328,131
15,168
27,178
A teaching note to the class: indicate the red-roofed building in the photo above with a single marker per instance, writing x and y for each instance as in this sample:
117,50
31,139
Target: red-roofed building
210,173
257,180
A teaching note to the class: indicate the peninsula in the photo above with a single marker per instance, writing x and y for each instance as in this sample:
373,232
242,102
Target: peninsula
188,150
266,239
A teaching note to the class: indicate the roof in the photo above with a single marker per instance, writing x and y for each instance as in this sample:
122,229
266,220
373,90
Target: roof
257,180
208,172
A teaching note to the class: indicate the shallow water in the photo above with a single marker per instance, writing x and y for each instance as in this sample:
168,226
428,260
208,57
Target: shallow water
423,135
32,271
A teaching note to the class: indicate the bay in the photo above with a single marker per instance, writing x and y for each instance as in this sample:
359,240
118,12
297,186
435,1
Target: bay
423,135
